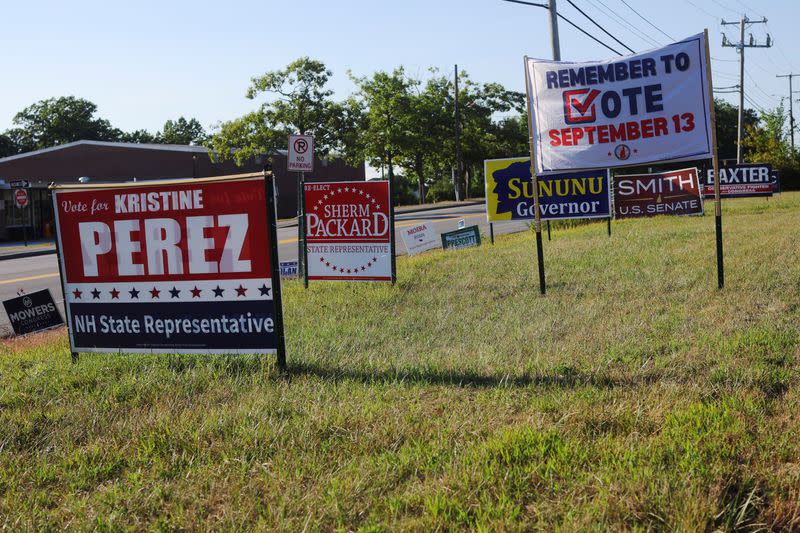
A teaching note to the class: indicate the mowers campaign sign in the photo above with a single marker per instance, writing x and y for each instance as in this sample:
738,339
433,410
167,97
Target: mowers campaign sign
641,108
676,192
180,267
347,231
741,181
509,192
33,312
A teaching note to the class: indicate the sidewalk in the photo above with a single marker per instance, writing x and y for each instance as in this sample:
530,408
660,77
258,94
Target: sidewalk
16,250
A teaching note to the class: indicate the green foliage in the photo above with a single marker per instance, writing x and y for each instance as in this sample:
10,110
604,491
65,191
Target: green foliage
300,102
727,127
182,131
59,121
768,142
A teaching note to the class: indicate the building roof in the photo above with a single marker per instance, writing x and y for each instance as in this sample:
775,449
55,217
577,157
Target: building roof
110,144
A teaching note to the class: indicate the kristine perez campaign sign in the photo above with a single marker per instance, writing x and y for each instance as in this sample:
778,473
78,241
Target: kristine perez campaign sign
509,192
641,108
676,192
180,267
347,231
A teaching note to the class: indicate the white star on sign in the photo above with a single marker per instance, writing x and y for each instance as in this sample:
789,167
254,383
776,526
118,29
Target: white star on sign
347,189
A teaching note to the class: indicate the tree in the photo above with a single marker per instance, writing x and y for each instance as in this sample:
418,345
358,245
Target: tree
140,137
728,125
7,145
768,142
182,131
386,97
58,121
300,103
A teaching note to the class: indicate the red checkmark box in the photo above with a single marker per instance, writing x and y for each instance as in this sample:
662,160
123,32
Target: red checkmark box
579,105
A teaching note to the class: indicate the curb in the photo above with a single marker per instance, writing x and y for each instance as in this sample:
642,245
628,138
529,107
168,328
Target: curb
32,253
414,210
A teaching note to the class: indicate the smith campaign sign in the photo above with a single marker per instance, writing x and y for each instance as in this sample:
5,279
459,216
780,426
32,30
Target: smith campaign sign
348,233
179,267
741,181
641,108
676,192
509,192
33,312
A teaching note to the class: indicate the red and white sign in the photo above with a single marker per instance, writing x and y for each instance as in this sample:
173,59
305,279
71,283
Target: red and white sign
627,111
421,237
348,232
675,192
21,198
172,267
301,154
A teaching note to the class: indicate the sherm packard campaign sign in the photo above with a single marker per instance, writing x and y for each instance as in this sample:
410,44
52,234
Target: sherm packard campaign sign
509,192
179,267
347,231
461,238
33,312
741,181
641,108
676,192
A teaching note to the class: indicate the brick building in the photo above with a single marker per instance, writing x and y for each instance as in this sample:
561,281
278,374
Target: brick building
103,162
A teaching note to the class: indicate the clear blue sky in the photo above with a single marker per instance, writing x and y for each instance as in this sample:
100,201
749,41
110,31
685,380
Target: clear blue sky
145,62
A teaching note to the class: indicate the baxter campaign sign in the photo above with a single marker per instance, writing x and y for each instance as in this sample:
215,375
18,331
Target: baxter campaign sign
741,181
676,192
641,108
33,312
509,192
180,267
348,233
461,238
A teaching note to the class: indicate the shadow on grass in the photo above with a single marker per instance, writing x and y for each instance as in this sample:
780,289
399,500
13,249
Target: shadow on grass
561,376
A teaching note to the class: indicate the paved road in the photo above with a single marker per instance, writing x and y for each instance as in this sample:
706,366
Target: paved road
36,273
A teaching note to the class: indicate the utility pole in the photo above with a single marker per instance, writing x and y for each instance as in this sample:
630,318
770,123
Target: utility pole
791,113
740,46
457,180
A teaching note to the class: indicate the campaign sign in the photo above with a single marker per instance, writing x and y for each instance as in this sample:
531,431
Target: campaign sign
509,192
33,312
179,267
776,182
461,238
740,181
637,109
289,269
420,238
676,192
348,234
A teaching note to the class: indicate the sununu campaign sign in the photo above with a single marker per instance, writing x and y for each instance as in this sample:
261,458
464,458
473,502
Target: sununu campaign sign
348,231
509,192
179,267
675,192
741,181
637,109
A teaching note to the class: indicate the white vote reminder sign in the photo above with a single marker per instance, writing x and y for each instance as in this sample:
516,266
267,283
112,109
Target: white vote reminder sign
642,108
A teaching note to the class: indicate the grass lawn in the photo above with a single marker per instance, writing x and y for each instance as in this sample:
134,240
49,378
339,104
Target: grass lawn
635,395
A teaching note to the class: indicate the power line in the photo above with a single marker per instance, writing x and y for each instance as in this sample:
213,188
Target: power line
582,12
723,6
647,21
703,10
565,19
623,22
